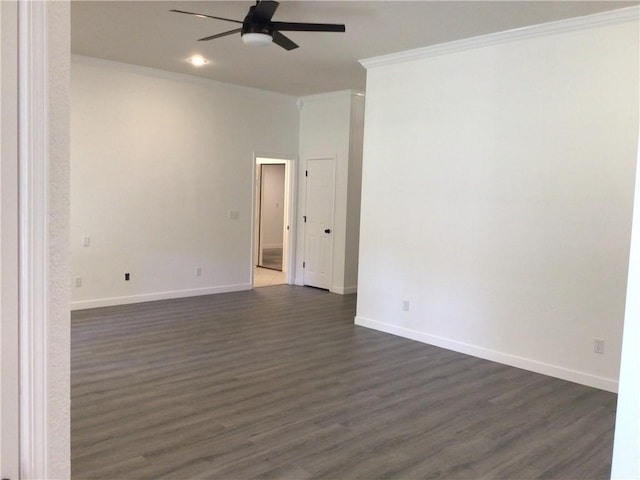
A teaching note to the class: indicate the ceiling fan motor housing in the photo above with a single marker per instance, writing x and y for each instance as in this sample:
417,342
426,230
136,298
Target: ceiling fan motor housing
251,27
252,24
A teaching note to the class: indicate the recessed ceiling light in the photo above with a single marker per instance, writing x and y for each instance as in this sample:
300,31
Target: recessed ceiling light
198,60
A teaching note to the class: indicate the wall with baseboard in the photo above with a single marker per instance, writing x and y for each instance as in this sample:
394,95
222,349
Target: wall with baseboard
497,195
160,165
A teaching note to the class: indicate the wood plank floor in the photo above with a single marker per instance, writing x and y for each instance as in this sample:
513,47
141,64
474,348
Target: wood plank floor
278,383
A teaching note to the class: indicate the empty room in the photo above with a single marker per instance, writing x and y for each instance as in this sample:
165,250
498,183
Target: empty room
455,243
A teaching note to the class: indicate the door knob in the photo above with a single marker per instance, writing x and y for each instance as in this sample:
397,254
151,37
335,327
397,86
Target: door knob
328,230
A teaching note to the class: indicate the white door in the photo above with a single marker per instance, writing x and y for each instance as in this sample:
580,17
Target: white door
318,232
9,384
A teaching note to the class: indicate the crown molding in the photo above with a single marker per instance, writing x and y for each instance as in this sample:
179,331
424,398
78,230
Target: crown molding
611,17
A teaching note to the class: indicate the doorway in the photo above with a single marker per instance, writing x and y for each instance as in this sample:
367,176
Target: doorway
272,226
270,221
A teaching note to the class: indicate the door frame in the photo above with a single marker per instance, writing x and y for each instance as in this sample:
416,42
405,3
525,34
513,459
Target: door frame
25,298
259,217
333,160
34,237
290,207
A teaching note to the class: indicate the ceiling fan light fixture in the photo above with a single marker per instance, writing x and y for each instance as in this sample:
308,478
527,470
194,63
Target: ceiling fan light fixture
259,39
259,29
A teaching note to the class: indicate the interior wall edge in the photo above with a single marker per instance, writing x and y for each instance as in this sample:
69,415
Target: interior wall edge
345,290
556,371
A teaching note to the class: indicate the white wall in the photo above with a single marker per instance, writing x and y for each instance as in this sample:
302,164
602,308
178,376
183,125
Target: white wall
497,195
331,127
626,445
158,163
354,193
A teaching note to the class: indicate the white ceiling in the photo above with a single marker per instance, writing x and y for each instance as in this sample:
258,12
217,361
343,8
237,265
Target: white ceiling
146,33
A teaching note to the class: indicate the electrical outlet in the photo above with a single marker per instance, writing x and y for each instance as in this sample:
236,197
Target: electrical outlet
86,241
598,345
234,215
405,305
78,281
198,271
127,277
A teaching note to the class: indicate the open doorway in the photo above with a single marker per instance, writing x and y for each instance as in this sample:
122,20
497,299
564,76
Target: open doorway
270,221
272,228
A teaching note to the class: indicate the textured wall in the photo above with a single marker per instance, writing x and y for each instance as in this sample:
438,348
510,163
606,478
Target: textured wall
58,406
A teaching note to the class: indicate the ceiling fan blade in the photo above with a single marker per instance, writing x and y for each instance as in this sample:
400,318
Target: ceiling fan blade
284,42
308,27
202,15
264,10
218,35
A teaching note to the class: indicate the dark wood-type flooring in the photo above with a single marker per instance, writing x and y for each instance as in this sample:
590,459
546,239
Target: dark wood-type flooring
279,383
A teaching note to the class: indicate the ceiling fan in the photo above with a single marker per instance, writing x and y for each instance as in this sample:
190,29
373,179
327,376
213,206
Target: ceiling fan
258,28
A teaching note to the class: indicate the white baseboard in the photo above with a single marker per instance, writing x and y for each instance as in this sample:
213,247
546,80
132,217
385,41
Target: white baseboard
345,290
150,297
493,355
